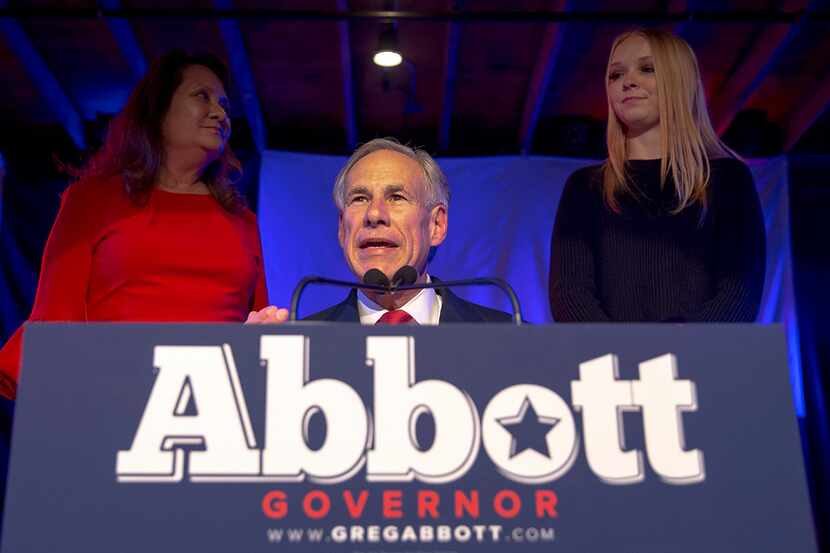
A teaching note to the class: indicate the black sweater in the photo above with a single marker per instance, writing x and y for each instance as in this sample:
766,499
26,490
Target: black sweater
645,264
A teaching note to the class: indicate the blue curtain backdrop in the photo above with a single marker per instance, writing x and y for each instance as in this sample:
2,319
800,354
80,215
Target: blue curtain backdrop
500,220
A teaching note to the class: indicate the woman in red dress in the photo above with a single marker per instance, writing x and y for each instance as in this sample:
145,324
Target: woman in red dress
153,230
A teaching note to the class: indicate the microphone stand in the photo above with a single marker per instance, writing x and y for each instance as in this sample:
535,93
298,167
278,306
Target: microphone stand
298,290
483,281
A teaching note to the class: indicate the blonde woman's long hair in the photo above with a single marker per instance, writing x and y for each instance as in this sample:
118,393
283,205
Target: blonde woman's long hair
687,139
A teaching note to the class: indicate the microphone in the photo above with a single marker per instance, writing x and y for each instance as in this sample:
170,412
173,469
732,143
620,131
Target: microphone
376,277
405,276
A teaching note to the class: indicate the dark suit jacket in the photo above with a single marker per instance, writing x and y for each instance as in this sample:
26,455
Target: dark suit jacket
453,310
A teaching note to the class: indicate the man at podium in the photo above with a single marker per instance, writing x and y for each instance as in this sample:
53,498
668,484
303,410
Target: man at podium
393,202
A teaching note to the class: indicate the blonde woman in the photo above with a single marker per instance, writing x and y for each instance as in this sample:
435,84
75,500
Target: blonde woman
669,227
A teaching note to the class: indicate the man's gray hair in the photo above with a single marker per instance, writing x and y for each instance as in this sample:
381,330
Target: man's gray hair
438,189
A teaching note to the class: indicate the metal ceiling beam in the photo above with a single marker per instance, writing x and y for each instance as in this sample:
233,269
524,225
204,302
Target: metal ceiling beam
240,68
448,94
124,36
757,59
818,101
44,80
349,115
494,16
539,82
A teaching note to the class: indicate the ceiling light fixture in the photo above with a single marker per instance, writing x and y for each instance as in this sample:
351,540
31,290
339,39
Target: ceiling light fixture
388,54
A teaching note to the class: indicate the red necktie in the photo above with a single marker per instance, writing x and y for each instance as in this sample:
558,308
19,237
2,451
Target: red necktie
396,317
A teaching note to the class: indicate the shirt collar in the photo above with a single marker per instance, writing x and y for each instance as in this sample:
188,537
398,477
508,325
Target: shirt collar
425,307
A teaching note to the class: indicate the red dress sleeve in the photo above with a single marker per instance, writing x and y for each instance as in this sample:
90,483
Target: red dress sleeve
259,300
64,275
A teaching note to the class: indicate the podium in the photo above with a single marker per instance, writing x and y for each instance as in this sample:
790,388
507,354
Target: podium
319,437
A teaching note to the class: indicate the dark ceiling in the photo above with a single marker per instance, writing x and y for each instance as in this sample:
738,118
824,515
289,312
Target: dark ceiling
480,77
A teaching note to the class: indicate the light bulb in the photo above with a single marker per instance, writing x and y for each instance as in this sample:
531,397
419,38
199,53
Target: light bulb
387,58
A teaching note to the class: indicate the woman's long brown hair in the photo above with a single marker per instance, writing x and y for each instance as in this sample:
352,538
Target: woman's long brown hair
134,146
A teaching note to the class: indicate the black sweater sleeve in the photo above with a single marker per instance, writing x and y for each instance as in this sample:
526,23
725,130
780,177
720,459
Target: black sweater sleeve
740,242
571,285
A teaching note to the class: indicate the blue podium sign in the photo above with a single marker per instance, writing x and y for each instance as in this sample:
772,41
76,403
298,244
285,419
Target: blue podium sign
571,439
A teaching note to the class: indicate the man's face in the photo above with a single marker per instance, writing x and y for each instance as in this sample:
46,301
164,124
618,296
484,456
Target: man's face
385,223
